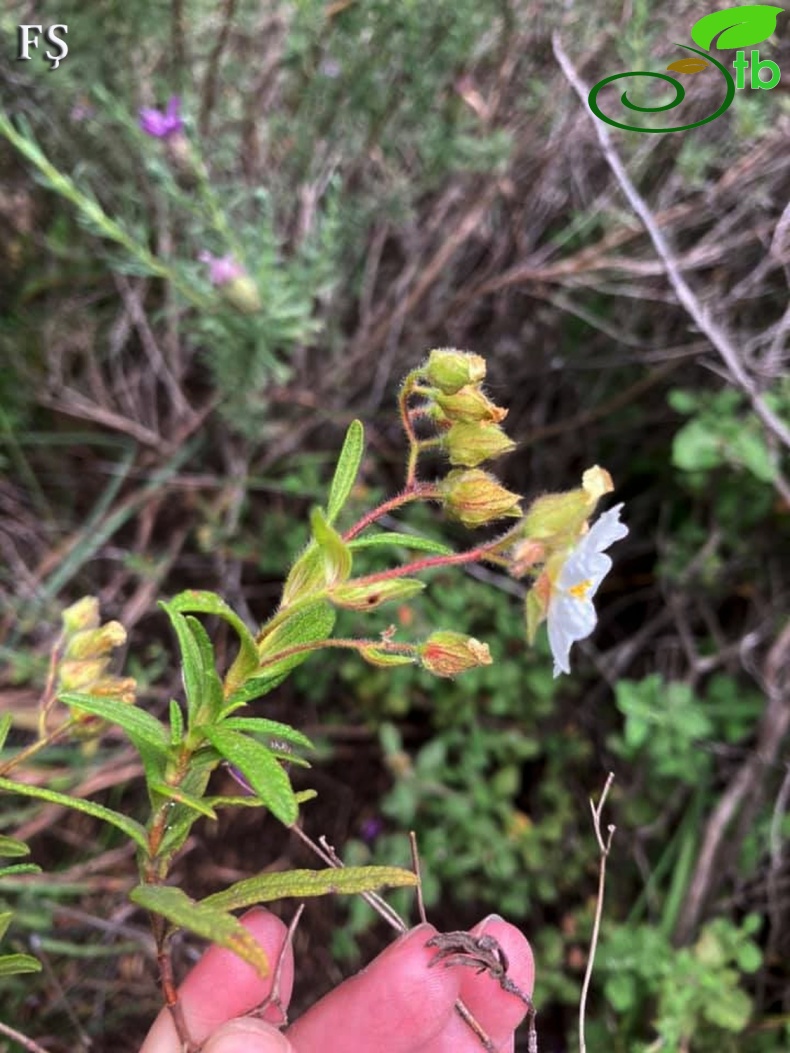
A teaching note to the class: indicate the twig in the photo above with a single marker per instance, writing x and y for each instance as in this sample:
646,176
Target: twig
604,847
688,299
23,1040
273,997
415,863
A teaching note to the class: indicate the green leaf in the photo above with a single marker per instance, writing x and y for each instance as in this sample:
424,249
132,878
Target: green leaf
139,725
131,828
273,728
306,576
13,964
309,624
212,695
737,27
192,671
176,723
410,541
5,921
347,468
260,768
198,601
255,687
335,551
19,868
205,920
175,793
263,888
11,848
5,727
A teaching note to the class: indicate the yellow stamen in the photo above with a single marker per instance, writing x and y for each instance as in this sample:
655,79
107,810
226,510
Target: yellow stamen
579,592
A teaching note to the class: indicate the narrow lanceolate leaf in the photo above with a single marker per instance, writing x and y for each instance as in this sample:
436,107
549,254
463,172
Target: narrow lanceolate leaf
139,725
173,793
260,768
272,728
131,828
347,468
192,671
195,601
306,625
19,868
410,541
335,551
211,922
263,888
14,964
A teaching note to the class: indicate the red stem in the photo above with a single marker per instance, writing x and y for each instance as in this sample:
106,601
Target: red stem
417,492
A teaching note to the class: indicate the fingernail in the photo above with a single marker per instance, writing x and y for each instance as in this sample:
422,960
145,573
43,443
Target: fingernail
247,1035
490,917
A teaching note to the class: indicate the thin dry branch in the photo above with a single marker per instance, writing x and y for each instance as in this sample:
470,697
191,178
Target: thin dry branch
604,847
688,299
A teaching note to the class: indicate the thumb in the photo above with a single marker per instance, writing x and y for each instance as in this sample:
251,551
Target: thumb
247,1034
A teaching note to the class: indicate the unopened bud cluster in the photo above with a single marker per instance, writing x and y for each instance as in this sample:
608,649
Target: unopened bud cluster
87,652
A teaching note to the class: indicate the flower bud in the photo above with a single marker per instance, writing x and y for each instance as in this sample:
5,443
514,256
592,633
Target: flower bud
95,643
368,596
560,518
235,285
475,497
448,653
80,674
470,404
449,370
470,444
84,614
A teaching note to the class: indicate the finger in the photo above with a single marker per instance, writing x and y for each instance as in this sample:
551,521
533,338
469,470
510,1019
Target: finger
223,986
498,1011
247,1034
396,1004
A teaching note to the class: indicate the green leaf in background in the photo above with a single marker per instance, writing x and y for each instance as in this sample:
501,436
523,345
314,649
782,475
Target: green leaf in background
410,541
11,848
263,888
131,828
305,625
736,27
336,553
347,468
14,964
198,601
5,727
260,768
19,868
204,920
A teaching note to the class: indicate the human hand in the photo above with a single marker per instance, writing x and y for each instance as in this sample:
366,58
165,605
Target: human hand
398,1004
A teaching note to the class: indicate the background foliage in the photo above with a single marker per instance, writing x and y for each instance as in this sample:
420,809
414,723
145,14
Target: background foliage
397,177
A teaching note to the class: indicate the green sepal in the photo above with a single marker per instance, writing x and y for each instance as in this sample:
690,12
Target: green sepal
210,922
347,468
306,576
359,595
131,828
263,888
260,768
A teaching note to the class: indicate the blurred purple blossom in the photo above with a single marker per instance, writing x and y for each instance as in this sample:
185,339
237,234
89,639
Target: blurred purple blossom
161,124
222,269
370,829
240,779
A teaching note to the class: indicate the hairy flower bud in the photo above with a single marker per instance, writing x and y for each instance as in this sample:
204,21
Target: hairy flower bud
450,370
367,596
470,444
470,404
235,285
475,497
95,643
448,653
559,518
84,614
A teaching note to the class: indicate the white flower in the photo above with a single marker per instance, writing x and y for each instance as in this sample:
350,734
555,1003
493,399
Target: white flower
571,615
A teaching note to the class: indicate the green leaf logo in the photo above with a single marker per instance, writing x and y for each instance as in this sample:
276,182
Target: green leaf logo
737,27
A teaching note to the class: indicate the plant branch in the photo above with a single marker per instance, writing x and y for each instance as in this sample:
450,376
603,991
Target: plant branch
416,492
604,846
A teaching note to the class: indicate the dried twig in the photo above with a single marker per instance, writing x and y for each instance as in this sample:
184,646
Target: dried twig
688,299
604,846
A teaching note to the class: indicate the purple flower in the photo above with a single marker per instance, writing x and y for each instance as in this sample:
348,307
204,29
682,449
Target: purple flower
370,829
162,124
222,269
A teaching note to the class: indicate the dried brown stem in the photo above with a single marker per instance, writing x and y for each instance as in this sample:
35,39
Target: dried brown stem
604,847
